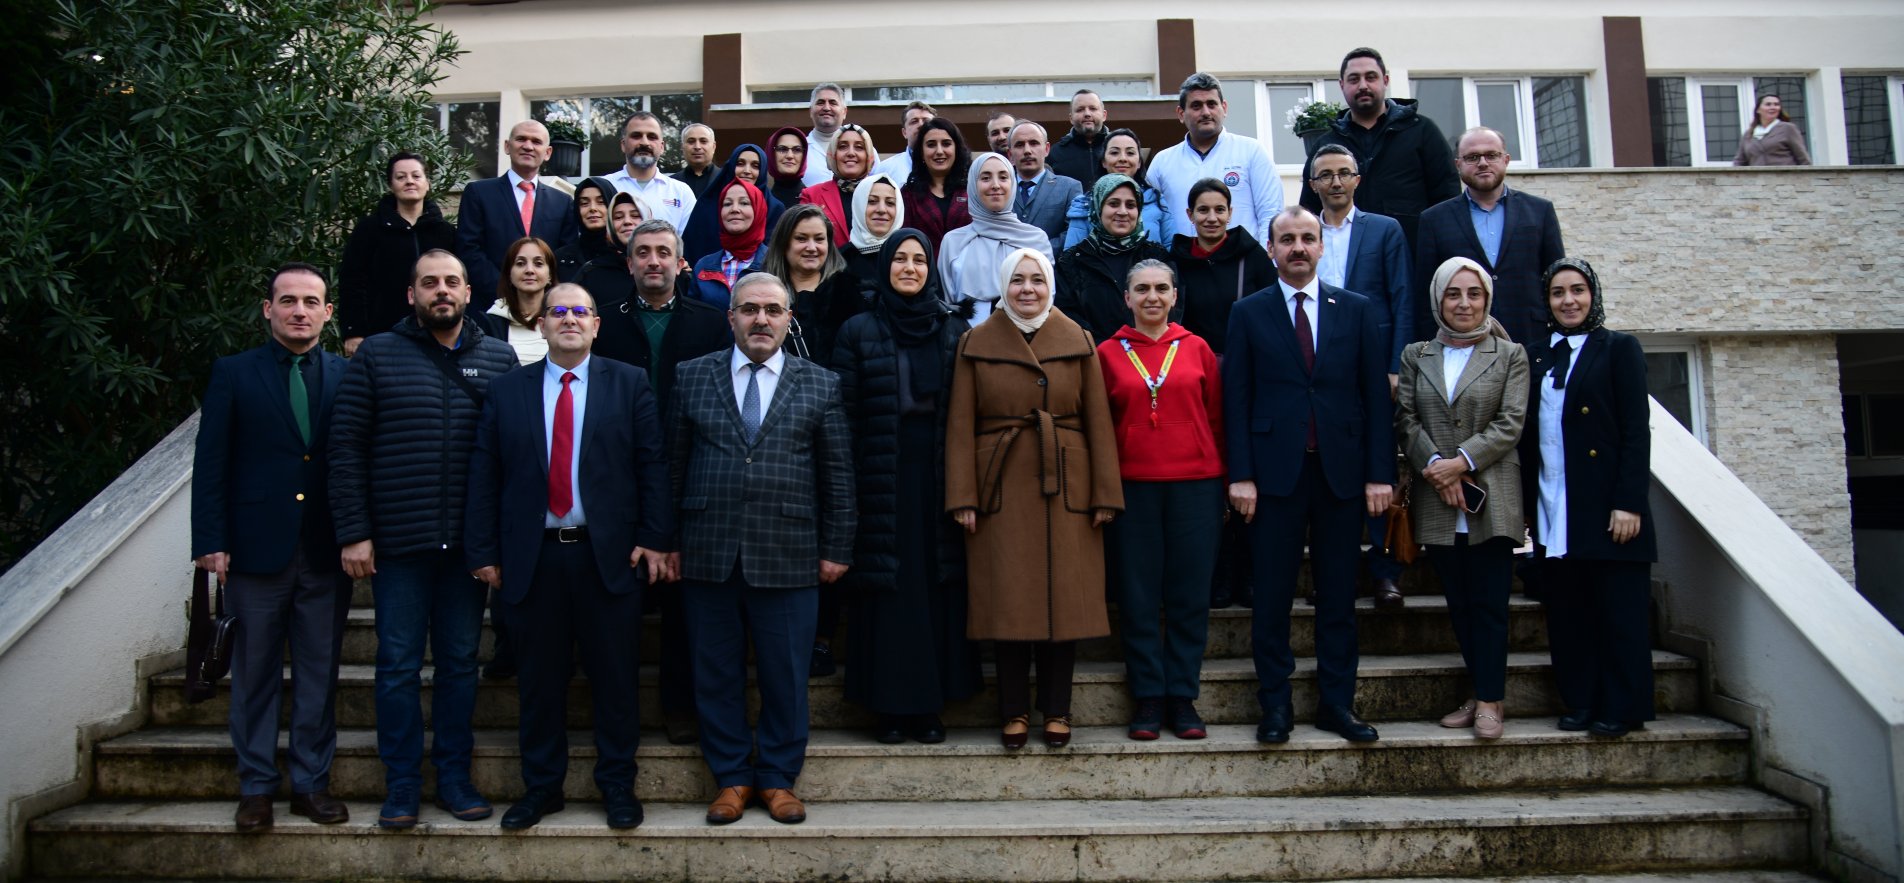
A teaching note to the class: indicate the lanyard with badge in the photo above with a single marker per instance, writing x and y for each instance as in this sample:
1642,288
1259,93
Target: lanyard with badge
1162,373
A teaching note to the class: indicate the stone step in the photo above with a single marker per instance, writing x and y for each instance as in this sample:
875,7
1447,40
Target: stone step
1698,877
1396,687
1300,838
1422,626
1102,763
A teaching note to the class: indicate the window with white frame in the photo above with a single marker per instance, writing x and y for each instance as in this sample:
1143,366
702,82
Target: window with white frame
1542,119
601,117
1874,118
1261,109
1674,378
473,128
1698,120
1032,90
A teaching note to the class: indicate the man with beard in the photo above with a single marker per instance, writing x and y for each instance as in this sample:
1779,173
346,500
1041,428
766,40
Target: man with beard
641,144
827,110
898,163
401,436
697,148
1404,159
998,129
495,212
1080,153
1208,150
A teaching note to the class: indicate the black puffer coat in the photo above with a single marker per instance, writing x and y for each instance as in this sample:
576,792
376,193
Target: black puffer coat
866,358
401,435
378,257
1405,162
1208,288
1091,286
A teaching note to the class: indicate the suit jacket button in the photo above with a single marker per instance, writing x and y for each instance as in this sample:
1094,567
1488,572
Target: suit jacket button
300,498
1583,409
1593,453
307,458
1041,381
750,461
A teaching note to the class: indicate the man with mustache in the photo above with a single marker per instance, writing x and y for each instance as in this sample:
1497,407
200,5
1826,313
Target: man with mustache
401,436
641,175
495,212
1210,151
1404,159
763,478
998,129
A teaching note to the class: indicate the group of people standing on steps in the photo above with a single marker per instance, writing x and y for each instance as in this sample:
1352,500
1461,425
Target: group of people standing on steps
995,426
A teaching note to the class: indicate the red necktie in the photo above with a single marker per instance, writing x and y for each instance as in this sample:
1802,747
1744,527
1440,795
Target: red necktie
528,208
562,450
1306,344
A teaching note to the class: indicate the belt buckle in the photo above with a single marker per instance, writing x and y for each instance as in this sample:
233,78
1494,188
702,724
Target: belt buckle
568,534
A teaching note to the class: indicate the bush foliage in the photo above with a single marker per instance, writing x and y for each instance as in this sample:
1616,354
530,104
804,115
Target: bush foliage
161,159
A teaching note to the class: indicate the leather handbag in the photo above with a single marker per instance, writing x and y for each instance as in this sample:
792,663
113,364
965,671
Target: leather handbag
208,638
1399,539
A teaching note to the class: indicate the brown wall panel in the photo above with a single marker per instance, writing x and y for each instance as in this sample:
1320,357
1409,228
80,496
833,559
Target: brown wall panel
1626,91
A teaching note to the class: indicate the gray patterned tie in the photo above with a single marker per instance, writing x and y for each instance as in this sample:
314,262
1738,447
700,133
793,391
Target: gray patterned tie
750,405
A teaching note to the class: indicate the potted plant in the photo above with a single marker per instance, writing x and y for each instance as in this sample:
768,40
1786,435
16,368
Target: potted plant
567,139
1310,118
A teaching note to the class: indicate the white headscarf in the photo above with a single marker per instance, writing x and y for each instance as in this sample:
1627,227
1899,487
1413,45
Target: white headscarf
861,237
1005,272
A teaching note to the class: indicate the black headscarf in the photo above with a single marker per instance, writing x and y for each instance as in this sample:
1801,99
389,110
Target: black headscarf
1596,311
915,321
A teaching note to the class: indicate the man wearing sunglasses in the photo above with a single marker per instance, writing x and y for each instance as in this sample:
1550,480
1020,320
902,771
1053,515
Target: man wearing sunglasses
569,518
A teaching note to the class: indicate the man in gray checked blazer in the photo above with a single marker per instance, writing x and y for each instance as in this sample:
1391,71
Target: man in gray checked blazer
762,467
1042,196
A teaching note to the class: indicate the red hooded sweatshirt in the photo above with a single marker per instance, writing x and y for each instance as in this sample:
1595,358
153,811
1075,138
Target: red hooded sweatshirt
1183,440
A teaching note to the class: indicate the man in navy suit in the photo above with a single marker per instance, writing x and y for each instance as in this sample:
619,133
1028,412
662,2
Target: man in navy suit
568,516
1515,235
496,212
1368,254
261,522
763,477
1312,451
1042,196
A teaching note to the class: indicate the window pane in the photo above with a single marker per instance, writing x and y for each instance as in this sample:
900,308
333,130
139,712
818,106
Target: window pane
1868,121
1854,426
605,116
1284,146
473,130
1669,379
1672,141
1440,99
1721,113
780,96
1501,111
991,91
1106,89
1560,122
675,110
896,93
1241,96
1791,97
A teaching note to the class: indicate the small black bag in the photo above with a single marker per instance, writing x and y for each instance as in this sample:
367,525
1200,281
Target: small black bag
208,639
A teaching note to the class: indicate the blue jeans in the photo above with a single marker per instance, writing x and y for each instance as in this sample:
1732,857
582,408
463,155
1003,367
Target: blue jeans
426,597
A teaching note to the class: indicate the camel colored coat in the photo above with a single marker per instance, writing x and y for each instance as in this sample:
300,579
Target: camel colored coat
1029,444
1485,420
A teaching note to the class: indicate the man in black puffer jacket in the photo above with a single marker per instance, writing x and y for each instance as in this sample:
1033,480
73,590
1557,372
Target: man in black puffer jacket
1406,162
401,436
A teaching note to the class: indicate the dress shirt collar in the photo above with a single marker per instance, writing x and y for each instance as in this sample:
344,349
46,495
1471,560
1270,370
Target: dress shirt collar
1498,204
641,303
776,363
1348,220
1312,289
515,179
554,372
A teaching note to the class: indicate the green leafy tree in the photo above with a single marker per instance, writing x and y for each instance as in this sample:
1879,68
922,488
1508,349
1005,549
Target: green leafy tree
160,160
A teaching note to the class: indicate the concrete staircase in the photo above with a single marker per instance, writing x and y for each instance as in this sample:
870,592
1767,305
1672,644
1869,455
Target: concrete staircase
1672,802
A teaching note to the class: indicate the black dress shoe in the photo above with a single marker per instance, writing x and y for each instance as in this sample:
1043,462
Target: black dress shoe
1275,726
822,664
1388,594
532,807
928,729
1575,721
254,813
891,729
683,728
1613,729
622,809
1341,720
320,807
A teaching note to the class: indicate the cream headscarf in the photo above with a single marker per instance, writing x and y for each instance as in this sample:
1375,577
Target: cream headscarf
861,237
1448,336
1005,271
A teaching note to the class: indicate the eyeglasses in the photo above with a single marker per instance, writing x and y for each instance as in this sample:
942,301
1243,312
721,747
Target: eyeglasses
789,149
579,312
750,311
1489,158
1330,177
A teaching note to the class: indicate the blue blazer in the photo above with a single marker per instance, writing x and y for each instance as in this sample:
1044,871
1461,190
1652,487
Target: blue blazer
254,481
1268,397
1530,241
1050,201
487,223
1379,269
623,475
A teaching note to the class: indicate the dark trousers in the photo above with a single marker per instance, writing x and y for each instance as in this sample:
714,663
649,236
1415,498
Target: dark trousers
720,617
1333,528
426,599
567,608
1599,631
676,656
1476,579
1230,583
307,607
1056,662
1166,545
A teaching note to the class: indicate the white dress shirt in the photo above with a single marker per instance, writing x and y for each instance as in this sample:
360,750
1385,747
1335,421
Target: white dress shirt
551,391
672,200
819,147
1553,455
1308,308
1334,266
515,188
769,381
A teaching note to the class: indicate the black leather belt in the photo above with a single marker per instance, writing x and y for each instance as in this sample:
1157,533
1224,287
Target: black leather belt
565,534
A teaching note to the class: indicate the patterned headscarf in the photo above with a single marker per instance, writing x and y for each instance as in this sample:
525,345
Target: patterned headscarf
1102,237
1596,312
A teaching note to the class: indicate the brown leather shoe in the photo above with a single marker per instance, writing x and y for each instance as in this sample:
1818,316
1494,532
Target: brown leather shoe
320,807
783,806
1388,594
729,804
254,813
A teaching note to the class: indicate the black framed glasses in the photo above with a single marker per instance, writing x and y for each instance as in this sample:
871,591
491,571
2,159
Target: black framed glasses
1331,177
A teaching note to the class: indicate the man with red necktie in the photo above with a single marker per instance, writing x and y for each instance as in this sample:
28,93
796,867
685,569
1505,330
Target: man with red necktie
569,517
